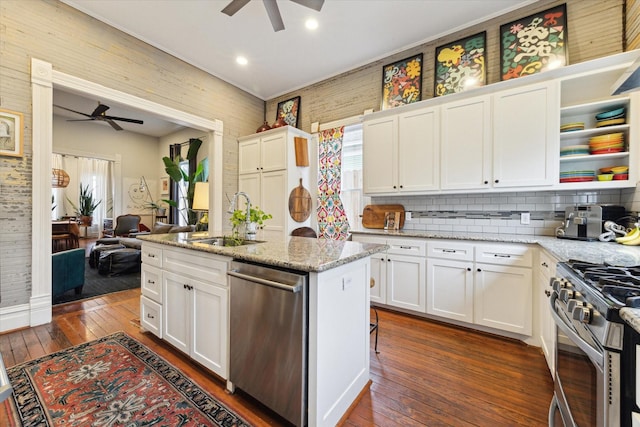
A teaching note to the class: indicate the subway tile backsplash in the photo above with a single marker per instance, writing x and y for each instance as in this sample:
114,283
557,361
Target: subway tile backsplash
500,212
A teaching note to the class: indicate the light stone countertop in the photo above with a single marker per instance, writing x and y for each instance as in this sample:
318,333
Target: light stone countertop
297,253
631,316
563,249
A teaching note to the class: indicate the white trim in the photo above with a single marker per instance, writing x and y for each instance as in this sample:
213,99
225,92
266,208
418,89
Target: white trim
353,120
43,79
15,317
87,154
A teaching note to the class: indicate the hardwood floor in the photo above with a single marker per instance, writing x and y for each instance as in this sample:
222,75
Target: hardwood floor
427,373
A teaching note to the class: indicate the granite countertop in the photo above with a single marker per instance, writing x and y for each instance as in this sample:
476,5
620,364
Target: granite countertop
297,253
631,316
563,249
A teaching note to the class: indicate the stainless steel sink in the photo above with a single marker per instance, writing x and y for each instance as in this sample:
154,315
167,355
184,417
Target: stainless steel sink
224,241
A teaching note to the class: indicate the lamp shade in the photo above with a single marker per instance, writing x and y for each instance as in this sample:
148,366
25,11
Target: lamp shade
59,178
201,197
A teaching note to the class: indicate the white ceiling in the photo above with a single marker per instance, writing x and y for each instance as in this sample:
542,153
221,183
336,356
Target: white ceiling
351,33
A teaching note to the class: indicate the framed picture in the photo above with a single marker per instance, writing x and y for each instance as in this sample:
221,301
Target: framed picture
392,220
164,185
402,82
534,44
11,139
289,110
461,65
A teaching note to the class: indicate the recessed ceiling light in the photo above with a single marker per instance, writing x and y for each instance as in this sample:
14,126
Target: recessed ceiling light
242,60
311,24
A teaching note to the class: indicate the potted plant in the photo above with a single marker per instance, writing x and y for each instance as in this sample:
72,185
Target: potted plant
256,220
86,205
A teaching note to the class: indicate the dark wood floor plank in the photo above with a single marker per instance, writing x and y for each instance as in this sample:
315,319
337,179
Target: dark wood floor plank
427,373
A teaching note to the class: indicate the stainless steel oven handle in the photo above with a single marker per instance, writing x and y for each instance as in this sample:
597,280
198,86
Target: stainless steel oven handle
552,411
593,354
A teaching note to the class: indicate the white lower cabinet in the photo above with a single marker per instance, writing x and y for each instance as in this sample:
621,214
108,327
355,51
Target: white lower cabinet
195,319
503,297
185,301
547,327
483,284
399,274
450,289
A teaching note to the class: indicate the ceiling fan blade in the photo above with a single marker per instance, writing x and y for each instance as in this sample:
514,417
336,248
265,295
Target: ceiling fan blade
234,6
123,119
311,4
73,111
81,120
274,15
100,109
113,124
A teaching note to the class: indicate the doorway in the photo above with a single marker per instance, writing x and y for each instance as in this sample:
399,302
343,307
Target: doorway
43,80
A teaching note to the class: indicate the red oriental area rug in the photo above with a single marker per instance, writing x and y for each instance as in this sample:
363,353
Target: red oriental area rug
112,381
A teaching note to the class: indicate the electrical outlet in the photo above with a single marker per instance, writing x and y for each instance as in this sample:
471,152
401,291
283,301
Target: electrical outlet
407,216
525,218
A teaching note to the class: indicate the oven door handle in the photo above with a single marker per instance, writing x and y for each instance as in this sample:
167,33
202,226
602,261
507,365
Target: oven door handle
596,356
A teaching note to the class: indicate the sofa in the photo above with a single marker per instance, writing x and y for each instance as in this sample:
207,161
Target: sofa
132,242
67,271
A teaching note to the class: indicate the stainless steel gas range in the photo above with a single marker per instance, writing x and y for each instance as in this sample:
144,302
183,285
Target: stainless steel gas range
592,368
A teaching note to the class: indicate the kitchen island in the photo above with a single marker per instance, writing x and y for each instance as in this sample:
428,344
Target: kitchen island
185,301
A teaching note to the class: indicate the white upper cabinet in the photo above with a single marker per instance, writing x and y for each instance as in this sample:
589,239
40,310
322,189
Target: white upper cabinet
418,150
466,144
401,154
380,155
525,136
263,154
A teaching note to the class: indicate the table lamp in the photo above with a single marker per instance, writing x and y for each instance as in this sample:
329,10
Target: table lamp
201,203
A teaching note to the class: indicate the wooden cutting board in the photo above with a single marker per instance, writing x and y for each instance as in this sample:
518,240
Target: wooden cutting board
300,203
373,215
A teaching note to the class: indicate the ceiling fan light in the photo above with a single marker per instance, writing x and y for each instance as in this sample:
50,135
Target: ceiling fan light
59,178
242,60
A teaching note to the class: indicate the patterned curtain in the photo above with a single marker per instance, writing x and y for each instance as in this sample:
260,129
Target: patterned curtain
332,219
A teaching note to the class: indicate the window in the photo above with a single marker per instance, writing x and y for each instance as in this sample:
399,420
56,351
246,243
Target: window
352,196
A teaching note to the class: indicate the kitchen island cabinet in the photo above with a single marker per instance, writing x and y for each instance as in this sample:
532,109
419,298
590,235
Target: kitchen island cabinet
338,314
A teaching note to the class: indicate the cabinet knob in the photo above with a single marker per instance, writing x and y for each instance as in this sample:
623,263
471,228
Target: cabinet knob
486,182
479,269
394,187
401,186
257,169
468,268
388,260
544,264
496,181
547,293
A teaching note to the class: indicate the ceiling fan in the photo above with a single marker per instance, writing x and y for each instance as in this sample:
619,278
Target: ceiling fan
99,114
272,9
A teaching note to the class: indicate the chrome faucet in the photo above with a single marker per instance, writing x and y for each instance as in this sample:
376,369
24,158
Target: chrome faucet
232,207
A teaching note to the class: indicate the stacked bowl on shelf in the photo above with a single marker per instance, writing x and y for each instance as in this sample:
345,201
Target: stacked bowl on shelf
606,144
574,150
611,117
577,176
618,173
570,127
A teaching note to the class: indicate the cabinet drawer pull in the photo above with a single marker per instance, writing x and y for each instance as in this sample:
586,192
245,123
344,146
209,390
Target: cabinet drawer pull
151,282
502,255
449,251
151,255
150,316
406,247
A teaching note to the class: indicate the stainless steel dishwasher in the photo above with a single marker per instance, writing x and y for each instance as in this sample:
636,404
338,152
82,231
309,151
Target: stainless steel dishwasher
268,342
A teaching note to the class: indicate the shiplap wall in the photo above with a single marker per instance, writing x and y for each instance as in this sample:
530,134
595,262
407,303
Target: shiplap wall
633,24
81,46
595,29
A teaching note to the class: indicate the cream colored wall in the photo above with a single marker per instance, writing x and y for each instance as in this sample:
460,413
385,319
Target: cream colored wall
81,46
595,29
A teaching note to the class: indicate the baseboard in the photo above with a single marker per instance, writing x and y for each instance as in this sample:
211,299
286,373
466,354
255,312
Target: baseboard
26,315
14,317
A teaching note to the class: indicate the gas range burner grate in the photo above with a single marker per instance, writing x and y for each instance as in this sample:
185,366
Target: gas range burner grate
620,284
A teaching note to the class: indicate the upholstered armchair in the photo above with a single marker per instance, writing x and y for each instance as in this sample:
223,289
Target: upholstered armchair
125,224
